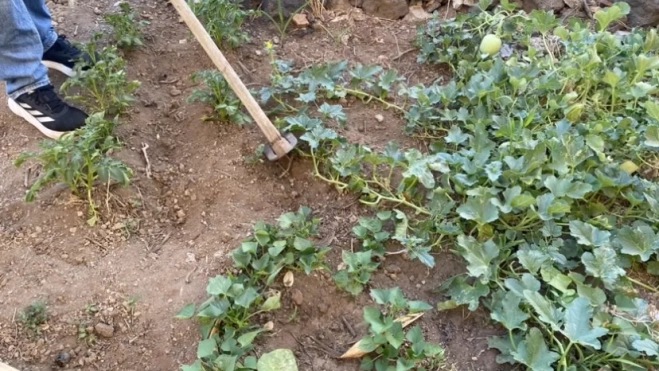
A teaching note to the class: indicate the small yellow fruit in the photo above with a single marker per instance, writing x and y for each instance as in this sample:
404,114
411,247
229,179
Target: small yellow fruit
629,167
491,44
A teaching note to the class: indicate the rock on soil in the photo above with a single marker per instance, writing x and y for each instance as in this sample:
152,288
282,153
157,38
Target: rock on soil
391,9
643,13
297,297
554,5
104,330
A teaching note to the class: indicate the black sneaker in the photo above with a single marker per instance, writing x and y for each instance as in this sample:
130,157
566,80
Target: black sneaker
62,56
44,109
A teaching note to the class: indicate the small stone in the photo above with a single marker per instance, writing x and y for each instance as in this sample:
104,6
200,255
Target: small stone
275,40
180,214
62,359
392,269
104,330
297,297
300,20
379,118
174,92
97,11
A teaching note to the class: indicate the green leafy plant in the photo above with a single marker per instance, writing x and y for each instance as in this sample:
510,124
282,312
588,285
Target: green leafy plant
372,234
286,245
227,316
223,19
281,20
79,159
357,273
219,95
392,347
533,174
127,28
102,84
34,316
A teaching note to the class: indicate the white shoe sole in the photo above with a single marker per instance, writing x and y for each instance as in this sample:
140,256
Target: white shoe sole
21,112
59,67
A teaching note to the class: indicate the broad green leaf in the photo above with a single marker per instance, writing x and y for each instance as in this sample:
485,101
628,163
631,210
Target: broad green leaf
638,241
509,195
248,297
603,264
534,353
546,311
418,168
652,110
395,335
302,244
480,210
479,255
456,136
652,136
577,324
588,235
187,312
415,335
226,362
505,310
567,187
272,303
197,366
373,318
248,338
606,16
333,111
647,346
528,282
557,280
532,260
595,295
461,293
417,306
218,285
505,347
206,348
278,360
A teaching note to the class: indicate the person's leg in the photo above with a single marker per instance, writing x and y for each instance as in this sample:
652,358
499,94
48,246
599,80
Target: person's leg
31,96
21,50
42,21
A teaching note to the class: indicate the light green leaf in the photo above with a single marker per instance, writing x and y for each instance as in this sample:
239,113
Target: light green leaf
302,244
606,16
418,168
218,285
479,255
557,280
278,360
206,348
577,324
603,264
455,135
595,142
272,303
193,367
652,109
595,295
532,260
187,312
546,311
588,235
373,317
647,346
639,241
567,187
478,209
417,306
528,282
523,201
248,338
534,353
652,136
509,196
248,297
505,310
461,293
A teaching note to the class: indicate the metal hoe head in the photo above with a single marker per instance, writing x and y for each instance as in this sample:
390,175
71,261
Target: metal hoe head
270,153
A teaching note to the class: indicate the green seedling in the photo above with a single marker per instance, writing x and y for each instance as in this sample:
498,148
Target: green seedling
357,273
219,95
34,316
103,86
223,20
79,160
390,346
127,28
281,20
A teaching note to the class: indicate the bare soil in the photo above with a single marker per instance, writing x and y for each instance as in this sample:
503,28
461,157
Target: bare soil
164,236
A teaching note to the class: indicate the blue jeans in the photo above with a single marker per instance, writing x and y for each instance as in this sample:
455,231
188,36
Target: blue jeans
26,31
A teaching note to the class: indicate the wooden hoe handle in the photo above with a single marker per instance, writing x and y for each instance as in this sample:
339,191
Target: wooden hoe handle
275,139
6,367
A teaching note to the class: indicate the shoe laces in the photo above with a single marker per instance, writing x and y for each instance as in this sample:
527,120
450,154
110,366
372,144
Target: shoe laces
46,96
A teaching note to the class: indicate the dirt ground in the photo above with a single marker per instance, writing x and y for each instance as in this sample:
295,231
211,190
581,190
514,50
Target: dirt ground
164,236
